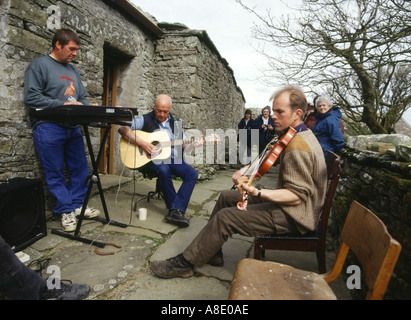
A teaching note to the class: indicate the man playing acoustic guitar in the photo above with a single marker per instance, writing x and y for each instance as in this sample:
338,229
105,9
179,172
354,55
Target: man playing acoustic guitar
294,206
161,119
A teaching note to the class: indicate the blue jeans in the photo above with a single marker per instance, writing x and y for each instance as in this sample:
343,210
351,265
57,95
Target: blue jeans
17,282
176,200
58,148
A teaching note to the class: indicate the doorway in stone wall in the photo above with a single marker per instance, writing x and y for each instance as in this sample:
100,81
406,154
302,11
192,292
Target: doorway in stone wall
114,60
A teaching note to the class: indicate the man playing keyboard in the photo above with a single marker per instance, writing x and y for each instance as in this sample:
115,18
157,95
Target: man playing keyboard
52,81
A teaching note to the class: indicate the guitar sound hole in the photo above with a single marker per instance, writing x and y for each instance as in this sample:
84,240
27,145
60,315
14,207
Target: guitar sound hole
156,150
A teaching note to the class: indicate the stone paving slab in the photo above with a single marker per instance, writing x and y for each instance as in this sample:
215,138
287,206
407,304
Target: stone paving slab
103,272
236,249
149,287
125,274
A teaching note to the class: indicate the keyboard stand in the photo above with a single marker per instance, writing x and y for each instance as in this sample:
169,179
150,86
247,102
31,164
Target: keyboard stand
93,178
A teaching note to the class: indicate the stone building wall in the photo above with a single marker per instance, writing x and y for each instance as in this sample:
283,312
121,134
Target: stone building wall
382,183
186,66
26,34
189,65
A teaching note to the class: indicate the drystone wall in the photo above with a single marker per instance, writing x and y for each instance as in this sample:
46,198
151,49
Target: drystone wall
184,64
26,32
188,64
381,181
205,94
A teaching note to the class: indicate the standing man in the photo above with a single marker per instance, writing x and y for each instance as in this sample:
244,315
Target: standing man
161,119
294,206
51,81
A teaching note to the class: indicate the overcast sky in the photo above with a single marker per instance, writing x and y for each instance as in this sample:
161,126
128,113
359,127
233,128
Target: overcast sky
229,27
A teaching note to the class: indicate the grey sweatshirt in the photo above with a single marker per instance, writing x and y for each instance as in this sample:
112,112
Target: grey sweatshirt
49,83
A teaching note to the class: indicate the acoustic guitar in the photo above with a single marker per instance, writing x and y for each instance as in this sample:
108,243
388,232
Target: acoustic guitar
135,157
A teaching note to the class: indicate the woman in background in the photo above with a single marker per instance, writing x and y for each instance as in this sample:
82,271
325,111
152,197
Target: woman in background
265,125
327,127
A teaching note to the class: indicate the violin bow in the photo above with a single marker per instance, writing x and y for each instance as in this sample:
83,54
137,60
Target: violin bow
260,157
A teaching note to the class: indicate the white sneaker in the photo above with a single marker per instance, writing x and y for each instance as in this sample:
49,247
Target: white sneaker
89,213
68,221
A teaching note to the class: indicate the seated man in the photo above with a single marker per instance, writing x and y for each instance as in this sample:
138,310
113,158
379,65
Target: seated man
294,206
161,119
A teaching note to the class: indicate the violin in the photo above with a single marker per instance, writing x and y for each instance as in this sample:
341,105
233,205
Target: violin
266,162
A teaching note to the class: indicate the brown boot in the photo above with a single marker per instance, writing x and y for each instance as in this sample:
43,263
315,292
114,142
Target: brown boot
173,267
217,260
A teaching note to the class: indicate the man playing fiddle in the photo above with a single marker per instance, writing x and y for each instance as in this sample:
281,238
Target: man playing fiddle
294,206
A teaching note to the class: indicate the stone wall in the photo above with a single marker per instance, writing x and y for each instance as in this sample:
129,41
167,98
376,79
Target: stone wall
205,94
183,64
382,183
26,34
188,64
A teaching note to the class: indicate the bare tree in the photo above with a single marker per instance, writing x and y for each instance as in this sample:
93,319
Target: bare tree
358,51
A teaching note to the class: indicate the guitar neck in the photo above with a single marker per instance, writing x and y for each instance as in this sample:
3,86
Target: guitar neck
175,142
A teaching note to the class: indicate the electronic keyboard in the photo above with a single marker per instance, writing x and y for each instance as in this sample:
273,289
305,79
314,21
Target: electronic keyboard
83,114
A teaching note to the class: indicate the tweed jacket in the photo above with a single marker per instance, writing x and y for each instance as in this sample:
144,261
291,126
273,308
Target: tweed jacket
303,171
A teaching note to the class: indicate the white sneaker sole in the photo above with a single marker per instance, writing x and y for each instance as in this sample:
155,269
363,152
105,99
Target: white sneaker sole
69,228
89,213
70,224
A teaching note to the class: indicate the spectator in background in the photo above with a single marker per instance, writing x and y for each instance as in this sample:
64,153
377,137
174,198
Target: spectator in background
247,123
265,124
327,127
309,119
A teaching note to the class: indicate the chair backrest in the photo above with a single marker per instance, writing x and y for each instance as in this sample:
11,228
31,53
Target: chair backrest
368,238
333,177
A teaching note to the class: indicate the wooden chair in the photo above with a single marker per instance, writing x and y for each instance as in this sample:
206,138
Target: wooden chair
363,233
312,241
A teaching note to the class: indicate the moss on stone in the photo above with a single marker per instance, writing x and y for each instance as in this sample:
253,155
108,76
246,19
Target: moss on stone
385,190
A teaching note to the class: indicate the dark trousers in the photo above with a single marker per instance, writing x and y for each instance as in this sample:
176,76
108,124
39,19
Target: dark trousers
180,199
261,217
17,282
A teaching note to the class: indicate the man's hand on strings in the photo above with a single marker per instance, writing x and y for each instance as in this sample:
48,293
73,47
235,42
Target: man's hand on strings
242,184
147,147
237,175
196,143
193,144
